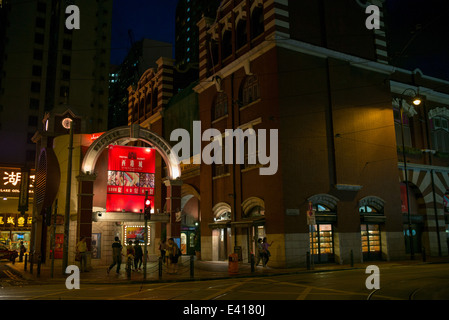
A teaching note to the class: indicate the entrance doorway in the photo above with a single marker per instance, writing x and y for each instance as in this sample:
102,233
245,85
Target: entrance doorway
322,243
221,240
371,244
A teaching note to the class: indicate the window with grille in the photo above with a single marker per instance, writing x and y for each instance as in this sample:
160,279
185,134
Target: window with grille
220,108
250,90
440,133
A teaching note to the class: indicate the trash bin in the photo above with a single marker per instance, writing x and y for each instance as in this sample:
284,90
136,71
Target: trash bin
233,266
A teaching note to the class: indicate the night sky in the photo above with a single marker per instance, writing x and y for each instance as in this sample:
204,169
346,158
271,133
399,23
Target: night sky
151,19
418,30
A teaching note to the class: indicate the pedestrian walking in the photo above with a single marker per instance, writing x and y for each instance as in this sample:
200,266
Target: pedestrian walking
259,251
116,255
163,249
130,254
173,256
22,249
81,250
138,255
266,252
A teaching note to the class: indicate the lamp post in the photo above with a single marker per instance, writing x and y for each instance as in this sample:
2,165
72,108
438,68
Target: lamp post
68,124
416,102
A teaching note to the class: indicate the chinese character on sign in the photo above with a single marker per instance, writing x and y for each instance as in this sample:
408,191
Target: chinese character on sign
1,220
21,221
29,220
10,220
12,178
32,179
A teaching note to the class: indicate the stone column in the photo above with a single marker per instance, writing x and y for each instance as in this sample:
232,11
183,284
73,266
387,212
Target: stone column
85,203
174,207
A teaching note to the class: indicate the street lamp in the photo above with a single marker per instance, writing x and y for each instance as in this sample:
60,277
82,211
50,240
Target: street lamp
68,124
416,100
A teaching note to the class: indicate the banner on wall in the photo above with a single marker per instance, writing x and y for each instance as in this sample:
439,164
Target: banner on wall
130,176
404,204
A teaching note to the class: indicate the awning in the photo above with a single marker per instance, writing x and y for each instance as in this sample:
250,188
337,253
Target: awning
373,218
248,223
220,224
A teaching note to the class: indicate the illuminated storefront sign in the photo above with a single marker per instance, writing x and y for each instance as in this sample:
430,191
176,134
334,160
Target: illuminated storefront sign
11,220
130,177
136,233
10,182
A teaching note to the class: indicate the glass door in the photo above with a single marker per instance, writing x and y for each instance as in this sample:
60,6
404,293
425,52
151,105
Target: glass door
322,243
371,244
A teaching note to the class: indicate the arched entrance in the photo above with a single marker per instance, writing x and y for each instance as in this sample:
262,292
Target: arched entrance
122,136
190,220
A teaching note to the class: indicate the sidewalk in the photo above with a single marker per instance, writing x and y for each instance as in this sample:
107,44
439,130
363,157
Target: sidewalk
203,270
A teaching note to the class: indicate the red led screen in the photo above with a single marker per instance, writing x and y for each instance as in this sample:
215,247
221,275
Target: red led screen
130,175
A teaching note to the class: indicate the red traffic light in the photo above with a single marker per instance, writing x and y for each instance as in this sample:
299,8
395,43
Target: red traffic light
147,209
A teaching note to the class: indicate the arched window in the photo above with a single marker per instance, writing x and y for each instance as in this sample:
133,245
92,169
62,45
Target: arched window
256,211
226,44
440,133
148,104
371,211
154,99
221,211
241,34
367,209
257,25
250,91
220,107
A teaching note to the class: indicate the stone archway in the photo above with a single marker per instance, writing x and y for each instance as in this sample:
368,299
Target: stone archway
123,135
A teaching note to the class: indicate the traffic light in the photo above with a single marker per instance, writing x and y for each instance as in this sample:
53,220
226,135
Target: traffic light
147,209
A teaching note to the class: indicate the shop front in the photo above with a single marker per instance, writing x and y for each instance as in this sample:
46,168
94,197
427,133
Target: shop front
15,226
372,221
14,229
322,234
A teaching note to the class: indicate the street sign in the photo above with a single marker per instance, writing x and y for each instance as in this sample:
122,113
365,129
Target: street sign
311,215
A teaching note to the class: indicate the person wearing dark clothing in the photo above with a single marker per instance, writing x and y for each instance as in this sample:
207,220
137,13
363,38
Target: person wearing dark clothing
266,252
116,255
138,255
22,251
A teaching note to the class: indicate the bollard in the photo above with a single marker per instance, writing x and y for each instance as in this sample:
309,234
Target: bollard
308,260
160,268
252,263
25,263
38,266
128,269
31,262
352,258
192,271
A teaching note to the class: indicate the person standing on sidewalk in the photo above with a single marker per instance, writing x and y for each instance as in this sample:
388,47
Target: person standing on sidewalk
22,251
163,249
173,256
138,255
116,255
266,252
81,249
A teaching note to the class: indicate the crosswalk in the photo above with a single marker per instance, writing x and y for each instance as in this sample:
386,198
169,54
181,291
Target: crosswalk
9,278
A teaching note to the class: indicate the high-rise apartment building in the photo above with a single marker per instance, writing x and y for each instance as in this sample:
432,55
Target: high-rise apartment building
46,65
142,56
188,13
